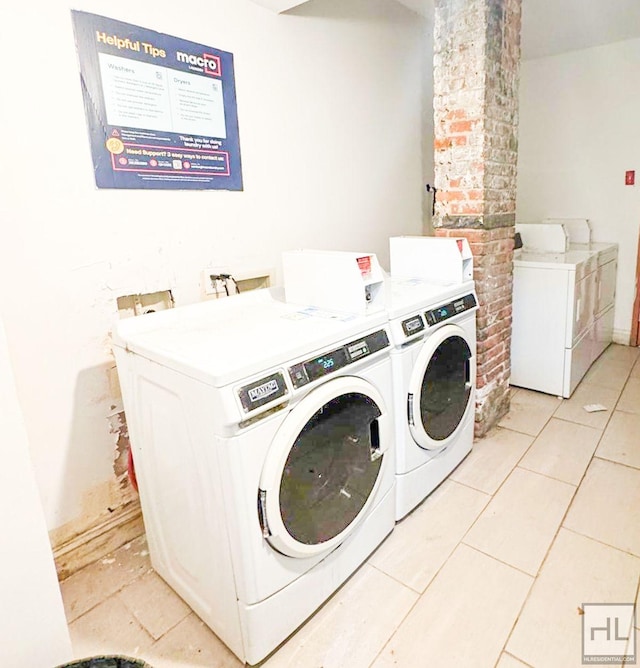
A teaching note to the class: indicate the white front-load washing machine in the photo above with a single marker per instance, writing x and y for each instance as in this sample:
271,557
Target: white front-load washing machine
262,434
433,332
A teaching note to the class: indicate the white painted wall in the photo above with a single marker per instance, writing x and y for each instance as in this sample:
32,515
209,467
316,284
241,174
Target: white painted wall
329,103
578,135
33,628
428,163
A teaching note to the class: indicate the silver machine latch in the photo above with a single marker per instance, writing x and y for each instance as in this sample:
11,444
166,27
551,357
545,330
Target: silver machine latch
262,513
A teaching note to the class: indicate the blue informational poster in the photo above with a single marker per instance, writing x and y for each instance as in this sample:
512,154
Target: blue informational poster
161,110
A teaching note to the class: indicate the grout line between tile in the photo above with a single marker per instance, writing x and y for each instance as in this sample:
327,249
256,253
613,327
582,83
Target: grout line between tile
113,594
402,621
588,426
395,579
133,614
615,461
621,410
513,656
500,561
549,477
475,489
601,542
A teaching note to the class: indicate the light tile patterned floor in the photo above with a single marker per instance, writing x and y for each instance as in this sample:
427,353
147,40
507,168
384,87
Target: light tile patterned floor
491,570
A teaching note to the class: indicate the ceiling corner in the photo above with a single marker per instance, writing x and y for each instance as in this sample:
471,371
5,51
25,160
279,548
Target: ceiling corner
280,6
424,7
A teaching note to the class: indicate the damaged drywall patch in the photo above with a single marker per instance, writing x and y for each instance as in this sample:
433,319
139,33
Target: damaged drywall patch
139,304
129,306
120,432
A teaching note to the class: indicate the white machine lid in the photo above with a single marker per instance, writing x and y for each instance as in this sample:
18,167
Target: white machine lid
223,341
600,247
569,260
578,229
543,237
407,295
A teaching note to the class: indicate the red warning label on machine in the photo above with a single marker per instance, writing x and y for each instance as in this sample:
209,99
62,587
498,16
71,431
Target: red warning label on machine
364,264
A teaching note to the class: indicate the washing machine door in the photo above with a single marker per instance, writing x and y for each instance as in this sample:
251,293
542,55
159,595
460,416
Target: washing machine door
441,387
324,467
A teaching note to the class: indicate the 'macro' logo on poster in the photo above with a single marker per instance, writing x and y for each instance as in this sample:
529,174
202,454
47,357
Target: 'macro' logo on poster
206,63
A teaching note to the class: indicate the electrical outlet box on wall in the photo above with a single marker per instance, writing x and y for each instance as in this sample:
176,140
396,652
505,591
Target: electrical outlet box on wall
210,285
222,281
130,305
255,279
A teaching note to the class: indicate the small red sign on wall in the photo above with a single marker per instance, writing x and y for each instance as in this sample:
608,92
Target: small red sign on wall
630,177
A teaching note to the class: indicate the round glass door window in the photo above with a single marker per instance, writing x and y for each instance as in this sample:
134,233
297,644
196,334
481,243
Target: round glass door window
446,388
332,469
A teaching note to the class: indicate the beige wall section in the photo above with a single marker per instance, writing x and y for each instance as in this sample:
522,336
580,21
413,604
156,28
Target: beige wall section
329,105
578,136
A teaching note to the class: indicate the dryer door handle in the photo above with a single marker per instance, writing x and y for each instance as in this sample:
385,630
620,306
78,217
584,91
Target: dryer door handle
262,513
468,379
410,417
374,450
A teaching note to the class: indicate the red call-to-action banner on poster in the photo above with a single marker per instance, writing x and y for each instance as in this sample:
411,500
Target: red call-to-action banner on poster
163,160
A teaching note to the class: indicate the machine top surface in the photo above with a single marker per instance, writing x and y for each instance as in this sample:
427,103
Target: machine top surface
222,341
408,295
569,260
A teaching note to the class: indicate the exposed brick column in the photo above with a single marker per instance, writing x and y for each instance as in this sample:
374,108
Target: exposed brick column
476,76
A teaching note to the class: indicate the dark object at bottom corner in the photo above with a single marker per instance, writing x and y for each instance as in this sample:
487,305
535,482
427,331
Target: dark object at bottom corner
107,662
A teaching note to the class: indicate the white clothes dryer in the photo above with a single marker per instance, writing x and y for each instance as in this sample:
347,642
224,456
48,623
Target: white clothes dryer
262,434
579,235
554,296
433,331
567,298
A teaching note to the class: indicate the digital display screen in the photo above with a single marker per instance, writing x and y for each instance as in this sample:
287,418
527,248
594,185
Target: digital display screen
310,370
449,310
326,363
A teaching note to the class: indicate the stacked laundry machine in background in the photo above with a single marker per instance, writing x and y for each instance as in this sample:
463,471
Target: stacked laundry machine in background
279,434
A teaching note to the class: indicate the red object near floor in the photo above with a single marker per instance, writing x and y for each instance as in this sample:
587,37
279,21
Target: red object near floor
131,469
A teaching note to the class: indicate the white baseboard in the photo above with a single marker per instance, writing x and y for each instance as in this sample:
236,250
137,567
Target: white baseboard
622,336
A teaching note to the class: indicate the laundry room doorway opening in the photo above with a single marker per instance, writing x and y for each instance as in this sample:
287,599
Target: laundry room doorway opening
634,339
